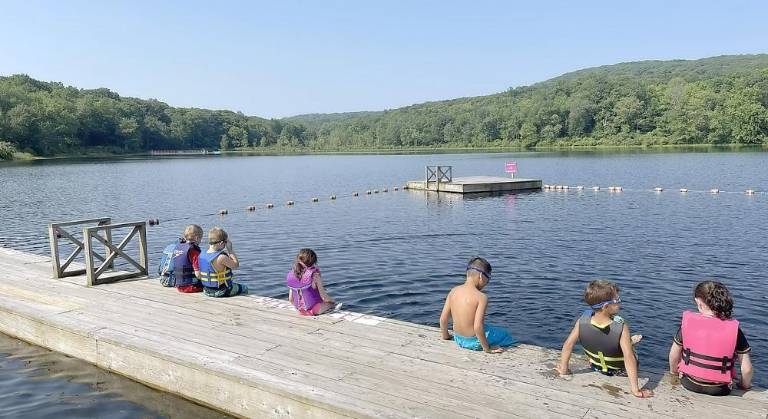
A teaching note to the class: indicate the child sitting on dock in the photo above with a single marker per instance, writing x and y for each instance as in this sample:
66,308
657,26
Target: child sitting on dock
216,266
180,266
605,337
305,286
704,350
465,306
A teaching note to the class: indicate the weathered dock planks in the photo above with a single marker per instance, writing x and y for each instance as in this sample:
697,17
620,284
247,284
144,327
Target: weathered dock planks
254,357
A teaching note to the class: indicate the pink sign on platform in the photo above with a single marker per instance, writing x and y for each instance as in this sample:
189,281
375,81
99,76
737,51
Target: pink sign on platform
511,167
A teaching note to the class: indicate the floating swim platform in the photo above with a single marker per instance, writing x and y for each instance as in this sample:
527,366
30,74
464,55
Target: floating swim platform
477,184
253,356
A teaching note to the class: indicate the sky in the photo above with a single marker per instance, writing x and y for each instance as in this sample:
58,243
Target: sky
282,58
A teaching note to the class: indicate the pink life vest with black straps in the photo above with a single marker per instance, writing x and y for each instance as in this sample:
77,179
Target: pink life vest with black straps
305,296
709,347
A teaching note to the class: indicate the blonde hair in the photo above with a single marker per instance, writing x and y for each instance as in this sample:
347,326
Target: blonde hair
216,235
193,233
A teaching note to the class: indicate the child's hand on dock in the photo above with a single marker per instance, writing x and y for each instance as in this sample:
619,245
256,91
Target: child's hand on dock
496,350
642,393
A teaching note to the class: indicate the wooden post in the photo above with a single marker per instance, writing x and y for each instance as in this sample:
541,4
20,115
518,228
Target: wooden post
143,261
53,239
88,256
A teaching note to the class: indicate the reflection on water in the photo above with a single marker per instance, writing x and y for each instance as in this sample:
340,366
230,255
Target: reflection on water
38,383
398,253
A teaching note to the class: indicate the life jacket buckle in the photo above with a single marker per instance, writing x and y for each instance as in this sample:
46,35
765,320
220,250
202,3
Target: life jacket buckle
687,356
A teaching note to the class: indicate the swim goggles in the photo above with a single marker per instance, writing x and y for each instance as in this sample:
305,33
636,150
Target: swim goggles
605,303
484,273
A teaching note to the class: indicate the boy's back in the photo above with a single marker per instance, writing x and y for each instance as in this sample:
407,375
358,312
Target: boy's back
463,301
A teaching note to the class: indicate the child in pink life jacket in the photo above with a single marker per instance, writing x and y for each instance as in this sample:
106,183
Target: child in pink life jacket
708,343
305,287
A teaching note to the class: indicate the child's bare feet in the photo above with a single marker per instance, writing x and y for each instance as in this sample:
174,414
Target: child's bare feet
636,339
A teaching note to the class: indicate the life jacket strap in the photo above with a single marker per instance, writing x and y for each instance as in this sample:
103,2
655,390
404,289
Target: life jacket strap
726,363
601,360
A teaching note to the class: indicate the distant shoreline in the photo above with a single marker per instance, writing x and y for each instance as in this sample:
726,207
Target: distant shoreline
278,151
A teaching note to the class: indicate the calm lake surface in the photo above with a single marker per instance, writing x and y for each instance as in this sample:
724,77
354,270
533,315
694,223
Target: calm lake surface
397,254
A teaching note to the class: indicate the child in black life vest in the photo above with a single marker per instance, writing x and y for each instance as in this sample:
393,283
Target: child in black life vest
704,350
604,336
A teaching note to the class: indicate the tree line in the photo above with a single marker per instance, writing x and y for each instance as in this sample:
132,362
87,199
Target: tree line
45,118
720,100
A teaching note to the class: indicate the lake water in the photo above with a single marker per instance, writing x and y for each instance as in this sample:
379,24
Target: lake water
397,254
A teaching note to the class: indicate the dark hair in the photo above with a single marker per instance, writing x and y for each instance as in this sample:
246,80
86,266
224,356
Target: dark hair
717,297
305,259
481,264
599,291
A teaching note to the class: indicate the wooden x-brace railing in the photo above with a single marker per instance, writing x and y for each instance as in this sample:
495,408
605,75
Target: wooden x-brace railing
93,273
56,232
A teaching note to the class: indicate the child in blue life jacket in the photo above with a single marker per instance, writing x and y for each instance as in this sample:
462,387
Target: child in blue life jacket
180,267
216,265
465,306
704,352
604,336
305,286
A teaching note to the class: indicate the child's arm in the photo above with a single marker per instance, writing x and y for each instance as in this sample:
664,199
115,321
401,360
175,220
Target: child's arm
482,305
630,363
675,354
746,371
231,261
318,284
444,316
565,353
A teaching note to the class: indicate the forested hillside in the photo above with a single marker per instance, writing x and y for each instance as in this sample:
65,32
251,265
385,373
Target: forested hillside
720,100
50,118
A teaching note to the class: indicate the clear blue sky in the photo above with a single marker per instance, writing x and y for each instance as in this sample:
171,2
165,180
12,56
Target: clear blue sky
282,58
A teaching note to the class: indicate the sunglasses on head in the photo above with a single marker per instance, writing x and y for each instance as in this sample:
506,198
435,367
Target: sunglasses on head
482,272
605,303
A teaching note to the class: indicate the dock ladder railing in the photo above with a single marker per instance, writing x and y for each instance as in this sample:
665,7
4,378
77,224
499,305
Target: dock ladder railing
437,174
98,230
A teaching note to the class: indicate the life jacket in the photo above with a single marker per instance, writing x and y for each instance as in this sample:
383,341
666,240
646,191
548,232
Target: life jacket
601,345
183,271
709,347
304,295
209,277
165,267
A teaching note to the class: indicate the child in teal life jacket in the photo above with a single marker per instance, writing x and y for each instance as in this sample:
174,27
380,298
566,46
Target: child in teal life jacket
604,336
465,307
305,286
180,267
708,343
216,265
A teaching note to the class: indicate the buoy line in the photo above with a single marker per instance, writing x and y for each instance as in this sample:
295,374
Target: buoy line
658,190
271,205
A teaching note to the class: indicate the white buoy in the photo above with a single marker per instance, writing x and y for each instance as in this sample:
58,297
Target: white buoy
658,189
596,188
579,188
565,187
750,192
714,191
683,190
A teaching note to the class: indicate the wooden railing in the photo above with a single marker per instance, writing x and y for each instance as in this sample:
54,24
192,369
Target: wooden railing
93,236
437,174
57,232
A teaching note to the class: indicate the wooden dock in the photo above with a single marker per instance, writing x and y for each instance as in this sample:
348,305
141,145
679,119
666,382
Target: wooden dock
477,184
254,357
